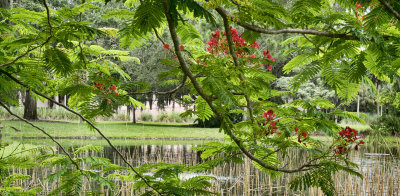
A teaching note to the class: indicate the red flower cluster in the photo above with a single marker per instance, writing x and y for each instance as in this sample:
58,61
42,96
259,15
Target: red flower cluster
219,45
269,118
110,89
303,134
349,136
268,56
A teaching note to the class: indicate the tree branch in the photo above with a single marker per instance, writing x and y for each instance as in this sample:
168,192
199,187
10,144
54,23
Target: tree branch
88,122
235,60
390,8
229,127
165,92
38,46
44,132
288,30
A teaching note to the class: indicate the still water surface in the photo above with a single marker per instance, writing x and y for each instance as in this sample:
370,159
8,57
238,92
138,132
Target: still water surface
380,172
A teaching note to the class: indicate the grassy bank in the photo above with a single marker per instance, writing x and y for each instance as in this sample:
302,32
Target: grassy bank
111,129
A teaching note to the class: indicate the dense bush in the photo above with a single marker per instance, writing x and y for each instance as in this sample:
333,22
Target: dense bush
386,125
215,123
146,117
162,117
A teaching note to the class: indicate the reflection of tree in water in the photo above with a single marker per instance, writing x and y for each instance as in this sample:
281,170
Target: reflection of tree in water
380,172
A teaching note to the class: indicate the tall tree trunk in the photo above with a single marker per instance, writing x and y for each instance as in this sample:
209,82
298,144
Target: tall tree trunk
377,97
358,105
50,103
134,115
128,110
5,4
30,107
387,108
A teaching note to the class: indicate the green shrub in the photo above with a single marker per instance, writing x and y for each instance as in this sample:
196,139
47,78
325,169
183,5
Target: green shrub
163,116
386,125
146,117
175,117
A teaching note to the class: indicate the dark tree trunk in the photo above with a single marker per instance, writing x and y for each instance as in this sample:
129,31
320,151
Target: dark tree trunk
50,103
30,107
134,115
5,4
128,110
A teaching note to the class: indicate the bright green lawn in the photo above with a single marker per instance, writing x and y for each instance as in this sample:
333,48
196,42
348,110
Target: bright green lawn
112,129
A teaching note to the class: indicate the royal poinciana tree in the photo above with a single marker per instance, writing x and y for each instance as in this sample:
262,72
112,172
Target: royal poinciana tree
343,41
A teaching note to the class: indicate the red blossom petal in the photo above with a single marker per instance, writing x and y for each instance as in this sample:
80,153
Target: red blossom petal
108,101
166,46
304,134
358,5
270,67
113,87
181,47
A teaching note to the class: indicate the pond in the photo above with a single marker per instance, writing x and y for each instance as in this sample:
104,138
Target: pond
379,165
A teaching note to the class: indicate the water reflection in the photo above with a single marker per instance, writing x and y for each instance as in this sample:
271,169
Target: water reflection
380,172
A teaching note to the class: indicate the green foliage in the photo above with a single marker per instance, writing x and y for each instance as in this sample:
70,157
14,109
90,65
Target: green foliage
322,177
17,155
70,180
146,117
387,124
203,110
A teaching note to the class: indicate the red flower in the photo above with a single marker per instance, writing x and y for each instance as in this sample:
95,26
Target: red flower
256,45
296,129
175,57
304,134
108,101
269,114
198,61
358,6
270,67
100,73
272,60
114,88
116,94
166,46
269,56
181,47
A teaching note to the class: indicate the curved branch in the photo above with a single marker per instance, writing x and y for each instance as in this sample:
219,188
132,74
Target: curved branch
390,8
208,99
165,92
289,30
44,132
124,159
235,58
38,46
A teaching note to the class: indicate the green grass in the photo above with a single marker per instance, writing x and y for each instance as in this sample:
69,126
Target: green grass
111,129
